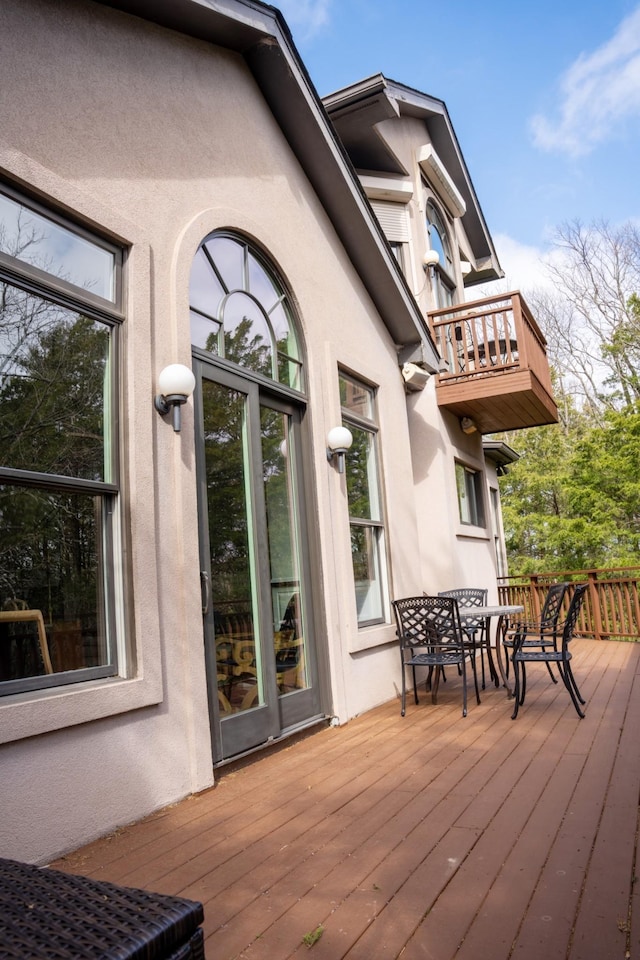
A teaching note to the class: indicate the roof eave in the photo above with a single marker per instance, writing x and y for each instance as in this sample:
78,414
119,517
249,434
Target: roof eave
391,97
260,34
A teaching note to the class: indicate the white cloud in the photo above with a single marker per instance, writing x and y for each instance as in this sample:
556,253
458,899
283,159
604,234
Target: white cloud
598,93
305,16
523,268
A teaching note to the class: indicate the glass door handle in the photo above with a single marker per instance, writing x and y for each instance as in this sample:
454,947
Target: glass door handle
205,587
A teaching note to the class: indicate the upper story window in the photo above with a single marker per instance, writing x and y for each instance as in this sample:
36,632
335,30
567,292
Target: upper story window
364,494
498,535
394,220
241,312
470,500
443,274
59,318
398,251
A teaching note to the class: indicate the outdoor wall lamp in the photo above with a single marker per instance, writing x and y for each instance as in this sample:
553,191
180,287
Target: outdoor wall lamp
467,425
339,439
176,383
431,259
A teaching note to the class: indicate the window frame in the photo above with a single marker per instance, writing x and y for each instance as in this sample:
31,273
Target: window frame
39,283
498,533
249,251
473,483
377,526
443,277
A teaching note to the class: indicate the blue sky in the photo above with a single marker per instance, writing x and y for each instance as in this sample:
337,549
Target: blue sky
544,98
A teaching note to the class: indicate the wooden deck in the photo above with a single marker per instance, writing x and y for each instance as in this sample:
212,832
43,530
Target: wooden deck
430,836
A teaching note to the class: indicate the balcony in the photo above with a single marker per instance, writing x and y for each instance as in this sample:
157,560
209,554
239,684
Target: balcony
497,371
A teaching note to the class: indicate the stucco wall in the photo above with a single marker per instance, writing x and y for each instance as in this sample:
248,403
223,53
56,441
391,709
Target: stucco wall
159,139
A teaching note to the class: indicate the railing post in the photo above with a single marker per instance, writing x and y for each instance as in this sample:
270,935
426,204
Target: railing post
535,596
594,596
521,332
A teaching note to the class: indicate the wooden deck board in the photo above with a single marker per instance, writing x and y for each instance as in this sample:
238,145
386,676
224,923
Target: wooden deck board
426,836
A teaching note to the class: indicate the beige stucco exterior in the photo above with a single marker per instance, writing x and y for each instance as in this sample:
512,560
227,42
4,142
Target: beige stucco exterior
157,138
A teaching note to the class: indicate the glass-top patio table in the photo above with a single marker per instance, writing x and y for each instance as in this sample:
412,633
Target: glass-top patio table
502,612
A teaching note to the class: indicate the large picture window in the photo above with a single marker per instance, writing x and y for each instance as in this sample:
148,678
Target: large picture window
59,315
365,501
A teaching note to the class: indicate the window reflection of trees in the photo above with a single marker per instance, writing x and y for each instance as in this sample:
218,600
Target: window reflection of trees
226,492
358,481
54,372
231,288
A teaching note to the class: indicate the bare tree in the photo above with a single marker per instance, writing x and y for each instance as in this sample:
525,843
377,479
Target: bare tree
590,319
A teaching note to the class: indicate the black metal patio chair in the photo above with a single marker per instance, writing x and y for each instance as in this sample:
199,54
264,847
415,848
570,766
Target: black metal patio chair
474,627
548,654
542,633
430,635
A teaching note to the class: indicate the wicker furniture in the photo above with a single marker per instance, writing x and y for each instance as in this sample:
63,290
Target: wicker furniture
49,915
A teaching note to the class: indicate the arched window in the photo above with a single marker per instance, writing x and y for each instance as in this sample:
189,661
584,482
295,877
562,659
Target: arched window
439,238
241,311
444,282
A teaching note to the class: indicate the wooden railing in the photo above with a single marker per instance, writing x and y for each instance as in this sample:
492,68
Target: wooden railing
612,606
488,337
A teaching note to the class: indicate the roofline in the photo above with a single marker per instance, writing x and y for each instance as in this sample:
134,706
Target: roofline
499,452
260,34
409,101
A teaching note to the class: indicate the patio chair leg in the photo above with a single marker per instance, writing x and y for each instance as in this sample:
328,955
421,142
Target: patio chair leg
567,682
523,684
516,690
464,689
575,686
548,666
572,681
475,673
436,684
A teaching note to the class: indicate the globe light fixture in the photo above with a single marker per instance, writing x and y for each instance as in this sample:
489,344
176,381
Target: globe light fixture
176,384
339,439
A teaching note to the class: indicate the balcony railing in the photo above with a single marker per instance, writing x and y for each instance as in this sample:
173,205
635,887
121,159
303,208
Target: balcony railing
495,369
612,605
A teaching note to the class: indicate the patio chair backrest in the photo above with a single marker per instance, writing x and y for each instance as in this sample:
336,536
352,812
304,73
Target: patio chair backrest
553,605
572,615
430,636
469,597
425,620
